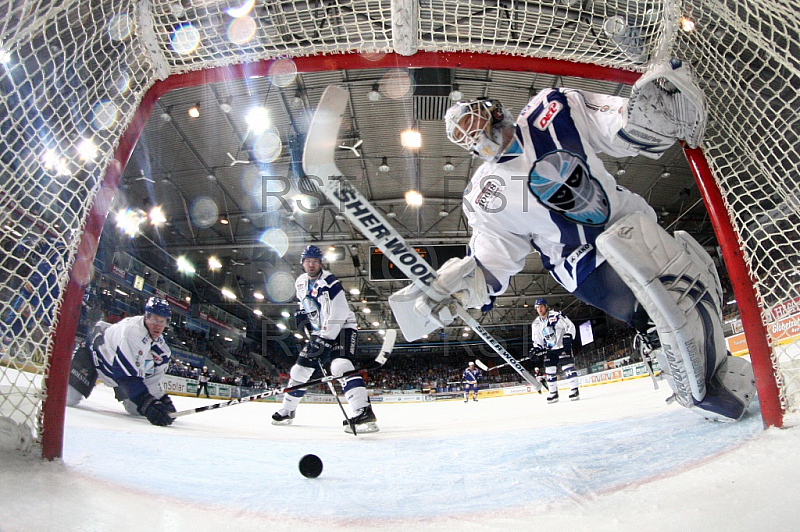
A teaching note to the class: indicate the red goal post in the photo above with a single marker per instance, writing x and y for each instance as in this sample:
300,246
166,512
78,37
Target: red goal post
123,49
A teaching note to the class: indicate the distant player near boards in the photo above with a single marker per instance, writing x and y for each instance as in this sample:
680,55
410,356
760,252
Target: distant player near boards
470,380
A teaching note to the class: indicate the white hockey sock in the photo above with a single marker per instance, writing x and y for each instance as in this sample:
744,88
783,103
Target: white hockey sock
290,402
357,398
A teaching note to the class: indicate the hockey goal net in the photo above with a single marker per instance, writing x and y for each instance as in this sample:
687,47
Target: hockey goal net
78,79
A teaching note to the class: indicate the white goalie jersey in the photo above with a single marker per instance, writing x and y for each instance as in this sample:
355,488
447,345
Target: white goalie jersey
549,191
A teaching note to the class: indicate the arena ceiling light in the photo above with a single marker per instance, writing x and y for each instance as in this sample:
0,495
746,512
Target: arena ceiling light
456,94
257,119
214,263
384,167
184,266
194,111
227,293
414,198
375,94
157,216
411,139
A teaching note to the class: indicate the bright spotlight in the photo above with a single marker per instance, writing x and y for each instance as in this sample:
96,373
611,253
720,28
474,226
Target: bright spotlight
258,120
411,139
157,216
184,266
413,198
226,292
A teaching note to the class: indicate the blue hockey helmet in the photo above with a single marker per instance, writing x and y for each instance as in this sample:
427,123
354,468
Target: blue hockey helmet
541,301
311,252
157,306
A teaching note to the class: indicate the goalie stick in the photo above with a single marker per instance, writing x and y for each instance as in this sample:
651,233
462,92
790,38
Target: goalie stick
380,360
319,164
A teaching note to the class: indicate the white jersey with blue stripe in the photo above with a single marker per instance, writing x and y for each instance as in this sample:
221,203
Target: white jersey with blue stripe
325,303
471,375
549,191
548,331
129,357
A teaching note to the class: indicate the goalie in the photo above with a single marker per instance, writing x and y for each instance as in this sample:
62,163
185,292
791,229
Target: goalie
543,187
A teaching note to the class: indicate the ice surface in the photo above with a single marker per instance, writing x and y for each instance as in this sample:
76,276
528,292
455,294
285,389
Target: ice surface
619,459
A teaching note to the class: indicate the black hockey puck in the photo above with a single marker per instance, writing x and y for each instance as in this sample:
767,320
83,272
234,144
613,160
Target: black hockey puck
310,466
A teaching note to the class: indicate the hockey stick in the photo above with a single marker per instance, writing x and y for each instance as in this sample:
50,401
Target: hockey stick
319,164
332,388
645,354
484,367
380,360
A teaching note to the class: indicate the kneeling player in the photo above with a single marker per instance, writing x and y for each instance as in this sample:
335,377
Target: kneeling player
131,356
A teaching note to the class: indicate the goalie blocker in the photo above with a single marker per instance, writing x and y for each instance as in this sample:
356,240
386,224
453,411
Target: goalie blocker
675,281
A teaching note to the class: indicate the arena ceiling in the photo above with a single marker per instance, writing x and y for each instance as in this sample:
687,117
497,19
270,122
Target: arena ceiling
208,170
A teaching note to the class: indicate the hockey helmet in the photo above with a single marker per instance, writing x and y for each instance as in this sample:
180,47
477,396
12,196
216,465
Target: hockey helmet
472,363
311,252
477,126
541,301
157,306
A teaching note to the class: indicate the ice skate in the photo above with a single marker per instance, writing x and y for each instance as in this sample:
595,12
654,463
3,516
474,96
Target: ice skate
364,421
575,395
282,417
475,399
552,397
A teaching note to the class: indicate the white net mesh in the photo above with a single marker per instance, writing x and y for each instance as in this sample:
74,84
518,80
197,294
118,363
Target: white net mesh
73,73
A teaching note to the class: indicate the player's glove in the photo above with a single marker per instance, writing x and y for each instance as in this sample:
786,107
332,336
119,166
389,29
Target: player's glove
317,347
302,322
155,410
168,402
536,351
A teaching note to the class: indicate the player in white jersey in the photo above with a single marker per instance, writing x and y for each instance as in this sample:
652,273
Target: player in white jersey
543,187
329,324
470,380
551,334
130,356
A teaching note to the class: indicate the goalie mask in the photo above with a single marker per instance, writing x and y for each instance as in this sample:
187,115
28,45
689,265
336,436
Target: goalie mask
478,126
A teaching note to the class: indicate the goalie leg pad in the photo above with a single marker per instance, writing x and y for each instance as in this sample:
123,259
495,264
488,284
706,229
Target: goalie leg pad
674,280
665,104
729,391
82,372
